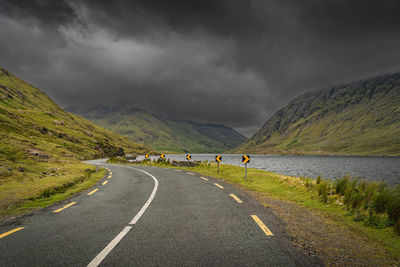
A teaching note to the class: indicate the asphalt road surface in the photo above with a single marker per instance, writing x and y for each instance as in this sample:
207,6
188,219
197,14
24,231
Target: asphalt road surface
148,216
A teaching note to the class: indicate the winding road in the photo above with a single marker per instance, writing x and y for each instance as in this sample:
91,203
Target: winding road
149,216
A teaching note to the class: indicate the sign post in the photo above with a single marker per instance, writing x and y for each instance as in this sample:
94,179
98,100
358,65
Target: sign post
245,160
188,157
218,159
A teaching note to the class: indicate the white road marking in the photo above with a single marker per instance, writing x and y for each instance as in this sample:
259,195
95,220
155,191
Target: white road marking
100,257
137,217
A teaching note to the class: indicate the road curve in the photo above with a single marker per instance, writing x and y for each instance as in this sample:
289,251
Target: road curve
146,216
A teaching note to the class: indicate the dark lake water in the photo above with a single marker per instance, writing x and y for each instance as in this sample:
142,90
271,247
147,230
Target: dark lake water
372,168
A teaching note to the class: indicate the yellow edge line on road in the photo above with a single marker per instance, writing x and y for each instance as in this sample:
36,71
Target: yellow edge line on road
109,176
94,191
204,178
105,182
66,206
190,173
262,225
236,198
11,232
220,186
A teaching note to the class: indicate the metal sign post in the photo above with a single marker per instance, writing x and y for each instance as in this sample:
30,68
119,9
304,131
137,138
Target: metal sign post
245,160
218,159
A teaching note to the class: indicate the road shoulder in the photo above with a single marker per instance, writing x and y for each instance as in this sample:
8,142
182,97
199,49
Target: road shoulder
318,234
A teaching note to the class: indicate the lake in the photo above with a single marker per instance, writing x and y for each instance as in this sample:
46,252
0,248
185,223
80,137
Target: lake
372,168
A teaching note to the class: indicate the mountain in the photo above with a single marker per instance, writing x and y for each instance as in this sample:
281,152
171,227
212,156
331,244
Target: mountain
162,133
34,127
358,118
41,147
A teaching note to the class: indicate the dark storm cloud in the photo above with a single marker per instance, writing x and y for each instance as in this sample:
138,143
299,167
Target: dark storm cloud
47,13
231,62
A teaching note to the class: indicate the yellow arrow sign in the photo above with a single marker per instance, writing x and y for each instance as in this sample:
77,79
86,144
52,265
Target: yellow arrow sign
188,157
245,158
162,156
218,158
147,156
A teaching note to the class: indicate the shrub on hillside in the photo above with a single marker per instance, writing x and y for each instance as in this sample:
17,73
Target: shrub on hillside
381,199
393,207
323,189
341,185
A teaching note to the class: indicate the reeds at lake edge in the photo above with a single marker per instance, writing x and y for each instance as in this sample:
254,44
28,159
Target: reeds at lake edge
376,204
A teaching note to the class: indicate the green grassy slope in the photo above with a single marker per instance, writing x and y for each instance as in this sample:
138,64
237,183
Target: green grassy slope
41,144
161,133
359,118
30,121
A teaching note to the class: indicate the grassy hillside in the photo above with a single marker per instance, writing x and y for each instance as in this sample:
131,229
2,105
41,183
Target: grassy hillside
41,144
161,133
359,118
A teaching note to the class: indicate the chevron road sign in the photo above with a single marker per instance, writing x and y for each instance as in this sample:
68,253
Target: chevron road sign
218,159
245,158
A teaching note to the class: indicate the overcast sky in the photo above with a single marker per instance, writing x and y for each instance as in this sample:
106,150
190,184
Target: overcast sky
232,62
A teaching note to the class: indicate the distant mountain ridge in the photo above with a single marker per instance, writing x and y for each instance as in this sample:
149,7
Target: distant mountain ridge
358,118
162,133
